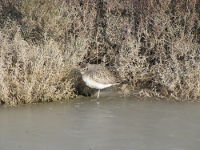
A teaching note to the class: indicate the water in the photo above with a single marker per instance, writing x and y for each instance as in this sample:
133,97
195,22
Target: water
114,123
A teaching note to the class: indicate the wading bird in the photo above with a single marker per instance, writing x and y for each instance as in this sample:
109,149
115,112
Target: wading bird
98,77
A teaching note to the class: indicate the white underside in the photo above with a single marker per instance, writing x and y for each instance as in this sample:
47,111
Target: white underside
96,85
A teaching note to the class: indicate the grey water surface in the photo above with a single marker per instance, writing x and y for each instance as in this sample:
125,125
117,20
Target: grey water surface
112,123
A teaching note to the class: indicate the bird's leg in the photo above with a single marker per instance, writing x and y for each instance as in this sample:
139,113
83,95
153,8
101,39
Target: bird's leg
98,93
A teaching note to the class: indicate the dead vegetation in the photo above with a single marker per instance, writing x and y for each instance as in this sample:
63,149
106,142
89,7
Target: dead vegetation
154,45
32,73
162,56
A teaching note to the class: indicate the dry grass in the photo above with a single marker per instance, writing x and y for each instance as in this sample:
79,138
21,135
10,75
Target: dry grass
160,53
153,44
32,73
39,51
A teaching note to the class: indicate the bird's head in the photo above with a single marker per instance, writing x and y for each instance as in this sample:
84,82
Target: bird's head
83,68
86,67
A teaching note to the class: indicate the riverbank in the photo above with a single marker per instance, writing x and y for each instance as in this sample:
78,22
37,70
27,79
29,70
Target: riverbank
154,45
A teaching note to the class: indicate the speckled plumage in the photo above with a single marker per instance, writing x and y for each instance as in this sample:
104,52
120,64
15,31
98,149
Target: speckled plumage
101,74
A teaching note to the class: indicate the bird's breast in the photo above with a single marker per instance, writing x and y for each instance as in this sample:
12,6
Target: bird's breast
93,84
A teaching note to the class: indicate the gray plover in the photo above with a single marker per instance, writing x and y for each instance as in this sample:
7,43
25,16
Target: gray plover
98,77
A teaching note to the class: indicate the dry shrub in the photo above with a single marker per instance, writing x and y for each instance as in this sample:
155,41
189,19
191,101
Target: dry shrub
43,16
68,23
63,21
40,49
163,54
32,73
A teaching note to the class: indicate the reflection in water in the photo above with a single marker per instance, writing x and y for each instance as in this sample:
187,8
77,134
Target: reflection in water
113,124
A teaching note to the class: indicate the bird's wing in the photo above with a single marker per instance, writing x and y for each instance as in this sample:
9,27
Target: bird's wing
103,76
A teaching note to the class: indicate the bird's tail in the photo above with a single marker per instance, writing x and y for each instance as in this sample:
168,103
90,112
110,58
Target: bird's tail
124,82
121,82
